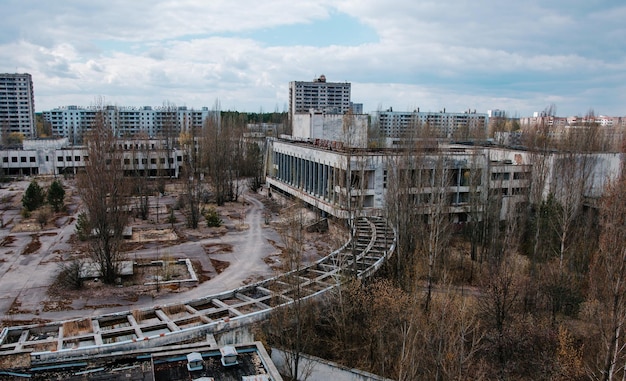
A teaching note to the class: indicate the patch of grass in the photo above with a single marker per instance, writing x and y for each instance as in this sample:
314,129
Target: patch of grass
77,327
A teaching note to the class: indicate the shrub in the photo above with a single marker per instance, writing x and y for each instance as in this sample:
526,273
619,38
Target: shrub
212,218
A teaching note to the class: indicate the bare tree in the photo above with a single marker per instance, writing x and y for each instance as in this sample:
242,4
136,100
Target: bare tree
193,175
170,128
435,234
292,325
105,192
222,142
608,284
140,162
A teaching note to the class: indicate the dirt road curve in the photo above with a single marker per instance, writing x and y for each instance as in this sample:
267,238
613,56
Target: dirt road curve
27,272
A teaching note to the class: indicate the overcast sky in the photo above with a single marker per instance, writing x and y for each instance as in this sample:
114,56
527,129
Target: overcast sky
519,56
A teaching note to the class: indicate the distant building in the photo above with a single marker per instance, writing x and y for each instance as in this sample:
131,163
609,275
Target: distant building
356,108
72,121
496,113
406,124
319,95
17,104
611,130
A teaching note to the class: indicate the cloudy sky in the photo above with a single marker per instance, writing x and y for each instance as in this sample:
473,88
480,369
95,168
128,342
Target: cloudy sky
519,56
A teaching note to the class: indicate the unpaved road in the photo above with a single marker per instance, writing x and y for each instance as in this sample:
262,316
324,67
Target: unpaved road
25,277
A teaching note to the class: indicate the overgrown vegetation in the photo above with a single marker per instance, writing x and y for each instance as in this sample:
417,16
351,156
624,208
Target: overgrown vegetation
533,293
212,217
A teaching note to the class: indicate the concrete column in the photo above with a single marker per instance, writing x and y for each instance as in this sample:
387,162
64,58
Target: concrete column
293,170
307,171
325,182
316,178
301,173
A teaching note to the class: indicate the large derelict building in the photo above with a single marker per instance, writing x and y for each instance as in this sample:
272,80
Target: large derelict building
17,104
415,124
328,97
72,121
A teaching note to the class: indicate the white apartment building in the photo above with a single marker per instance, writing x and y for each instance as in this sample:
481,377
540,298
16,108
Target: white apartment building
319,95
72,121
406,124
17,104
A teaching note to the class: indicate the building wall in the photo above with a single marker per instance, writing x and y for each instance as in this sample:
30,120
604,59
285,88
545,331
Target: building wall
73,122
149,157
317,369
350,130
17,104
394,124
330,97
340,182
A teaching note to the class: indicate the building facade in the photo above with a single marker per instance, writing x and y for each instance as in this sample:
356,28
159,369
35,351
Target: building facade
342,181
350,130
319,95
338,181
72,121
17,104
408,124
140,157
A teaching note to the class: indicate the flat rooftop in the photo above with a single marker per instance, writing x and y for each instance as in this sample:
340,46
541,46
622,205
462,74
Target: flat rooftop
159,364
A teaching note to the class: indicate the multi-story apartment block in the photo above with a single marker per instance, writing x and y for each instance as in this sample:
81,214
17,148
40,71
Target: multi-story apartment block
408,124
17,104
609,133
72,121
319,95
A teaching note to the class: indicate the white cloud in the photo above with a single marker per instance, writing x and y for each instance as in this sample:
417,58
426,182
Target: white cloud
454,54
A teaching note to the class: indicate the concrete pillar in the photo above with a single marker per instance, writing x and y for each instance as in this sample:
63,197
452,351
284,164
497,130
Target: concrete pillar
325,182
307,172
314,178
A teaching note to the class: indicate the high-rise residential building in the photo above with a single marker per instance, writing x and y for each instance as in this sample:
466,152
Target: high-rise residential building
17,104
319,95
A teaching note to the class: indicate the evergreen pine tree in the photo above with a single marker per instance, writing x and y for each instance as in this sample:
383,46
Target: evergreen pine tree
33,197
56,195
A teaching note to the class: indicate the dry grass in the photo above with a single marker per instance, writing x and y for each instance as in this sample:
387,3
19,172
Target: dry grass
174,309
219,266
139,315
77,327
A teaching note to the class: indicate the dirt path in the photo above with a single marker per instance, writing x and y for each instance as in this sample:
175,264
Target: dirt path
24,279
